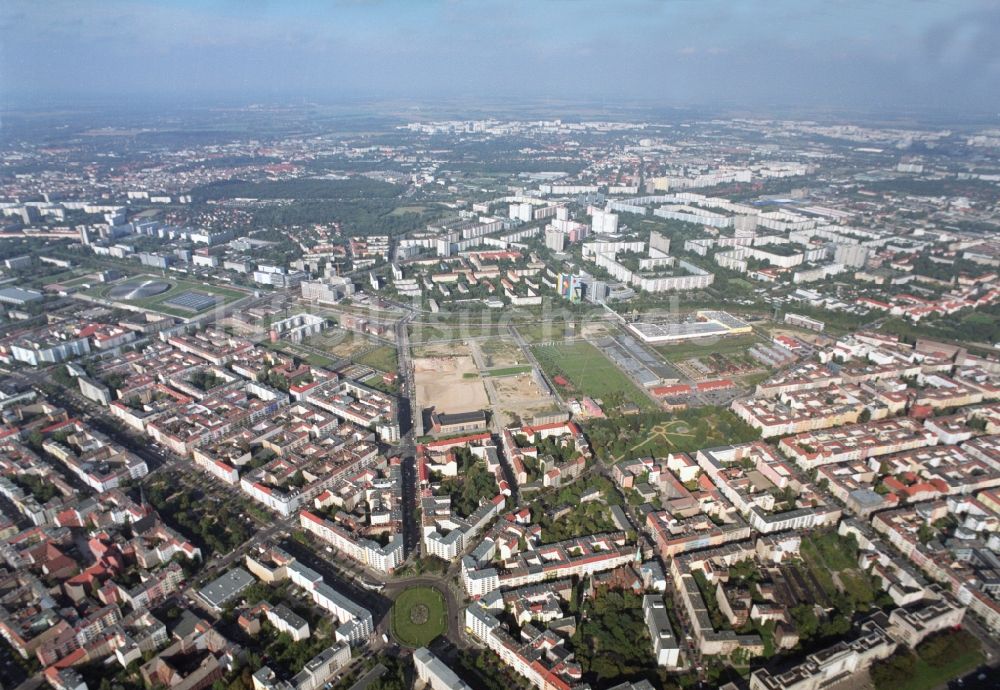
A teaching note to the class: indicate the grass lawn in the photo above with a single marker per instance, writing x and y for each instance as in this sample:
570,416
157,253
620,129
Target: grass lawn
44,274
753,379
546,331
288,348
510,371
713,346
418,616
501,352
340,343
422,333
590,372
71,278
400,210
656,440
857,586
928,677
381,358
828,555
425,333
831,549
495,345
375,381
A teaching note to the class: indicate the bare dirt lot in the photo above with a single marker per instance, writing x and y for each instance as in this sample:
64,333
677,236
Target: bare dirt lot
596,329
501,352
441,384
449,349
521,396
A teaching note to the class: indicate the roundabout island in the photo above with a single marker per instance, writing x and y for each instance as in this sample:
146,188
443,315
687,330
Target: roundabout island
419,615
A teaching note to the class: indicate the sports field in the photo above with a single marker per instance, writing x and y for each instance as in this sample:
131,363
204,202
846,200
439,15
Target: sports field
177,287
590,373
419,616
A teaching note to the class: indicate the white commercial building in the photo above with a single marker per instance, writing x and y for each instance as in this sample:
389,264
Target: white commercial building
355,621
433,672
331,291
665,646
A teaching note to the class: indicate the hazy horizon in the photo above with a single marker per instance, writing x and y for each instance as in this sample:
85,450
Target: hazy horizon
896,56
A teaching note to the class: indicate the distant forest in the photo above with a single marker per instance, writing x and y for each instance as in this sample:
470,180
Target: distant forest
300,189
360,205
363,217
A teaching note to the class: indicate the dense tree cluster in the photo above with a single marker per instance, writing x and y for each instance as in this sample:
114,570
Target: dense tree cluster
36,486
979,326
612,641
215,528
591,517
204,379
357,217
473,484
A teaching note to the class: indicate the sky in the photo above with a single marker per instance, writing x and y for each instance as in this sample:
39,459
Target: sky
868,55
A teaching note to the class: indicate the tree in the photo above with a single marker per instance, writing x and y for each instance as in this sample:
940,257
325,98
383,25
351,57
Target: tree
35,440
837,625
805,619
894,671
297,480
925,533
943,648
